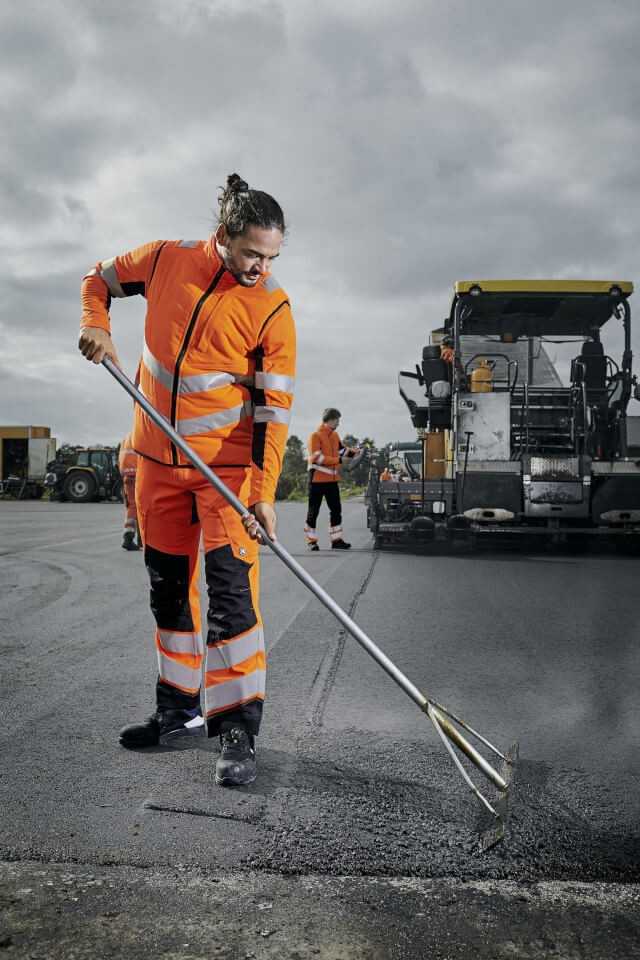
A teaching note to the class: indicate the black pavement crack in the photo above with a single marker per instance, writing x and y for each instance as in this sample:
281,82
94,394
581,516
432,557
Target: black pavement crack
328,669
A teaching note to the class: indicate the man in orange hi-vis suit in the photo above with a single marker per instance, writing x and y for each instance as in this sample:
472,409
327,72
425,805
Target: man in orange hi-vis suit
218,362
128,467
325,454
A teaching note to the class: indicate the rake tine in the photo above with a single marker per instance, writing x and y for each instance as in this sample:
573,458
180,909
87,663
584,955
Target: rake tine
475,733
433,716
476,758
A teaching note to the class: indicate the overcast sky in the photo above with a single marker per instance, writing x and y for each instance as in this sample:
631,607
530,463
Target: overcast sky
410,144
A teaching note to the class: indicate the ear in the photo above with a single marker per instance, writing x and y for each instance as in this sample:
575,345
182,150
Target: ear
221,235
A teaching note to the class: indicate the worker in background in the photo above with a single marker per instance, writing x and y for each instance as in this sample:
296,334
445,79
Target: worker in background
447,353
325,454
219,363
128,466
386,474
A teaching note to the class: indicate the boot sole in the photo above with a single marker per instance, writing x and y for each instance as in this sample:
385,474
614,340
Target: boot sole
231,782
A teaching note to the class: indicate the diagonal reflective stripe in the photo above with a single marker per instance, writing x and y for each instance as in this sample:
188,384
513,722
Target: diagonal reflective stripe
187,678
212,421
221,656
272,415
110,277
156,369
274,381
175,642
188,243
330,470
198,382
221,695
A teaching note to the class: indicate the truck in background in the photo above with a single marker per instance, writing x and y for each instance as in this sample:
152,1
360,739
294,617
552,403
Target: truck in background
25,452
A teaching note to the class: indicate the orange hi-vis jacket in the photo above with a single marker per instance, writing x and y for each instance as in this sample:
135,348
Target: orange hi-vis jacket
127,458
325,451
218,359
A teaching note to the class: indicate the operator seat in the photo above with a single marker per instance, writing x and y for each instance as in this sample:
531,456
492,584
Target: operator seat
590,368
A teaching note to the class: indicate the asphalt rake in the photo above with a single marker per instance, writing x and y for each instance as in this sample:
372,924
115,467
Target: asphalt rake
449,726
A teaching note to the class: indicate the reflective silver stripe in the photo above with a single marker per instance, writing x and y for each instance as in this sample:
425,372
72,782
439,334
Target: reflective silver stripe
271,284
272,415
194,383
330,470
177,673
274,381
335,529
110,277
335,533
156,369
225,694
175,642
188,243
199,382
212,421
310,534
223,656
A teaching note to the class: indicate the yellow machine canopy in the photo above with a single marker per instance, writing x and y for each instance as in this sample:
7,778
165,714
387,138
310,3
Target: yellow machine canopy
532,308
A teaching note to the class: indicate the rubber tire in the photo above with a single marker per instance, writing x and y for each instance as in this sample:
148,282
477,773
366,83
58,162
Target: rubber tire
77,491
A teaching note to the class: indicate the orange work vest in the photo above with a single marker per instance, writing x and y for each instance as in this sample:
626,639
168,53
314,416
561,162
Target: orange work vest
218,359
324,453
127,458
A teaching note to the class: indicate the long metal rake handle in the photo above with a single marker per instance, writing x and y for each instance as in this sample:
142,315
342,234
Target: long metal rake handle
434,710
356,632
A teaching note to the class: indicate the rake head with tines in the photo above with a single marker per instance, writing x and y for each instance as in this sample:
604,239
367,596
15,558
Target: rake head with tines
447,724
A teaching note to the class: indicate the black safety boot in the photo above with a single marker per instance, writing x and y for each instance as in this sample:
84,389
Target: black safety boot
129,541
236,764
313,547
164,727
340,545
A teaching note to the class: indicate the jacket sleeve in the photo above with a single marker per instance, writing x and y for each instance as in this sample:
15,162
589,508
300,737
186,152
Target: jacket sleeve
273,397
122,276
314,450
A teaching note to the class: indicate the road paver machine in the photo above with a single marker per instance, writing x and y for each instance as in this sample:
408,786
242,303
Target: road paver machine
506,446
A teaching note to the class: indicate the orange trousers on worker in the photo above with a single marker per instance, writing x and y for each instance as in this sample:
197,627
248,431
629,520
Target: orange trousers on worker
176,507
129,496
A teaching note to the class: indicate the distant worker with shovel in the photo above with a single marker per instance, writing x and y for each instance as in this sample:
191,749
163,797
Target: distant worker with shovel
325,455
218,364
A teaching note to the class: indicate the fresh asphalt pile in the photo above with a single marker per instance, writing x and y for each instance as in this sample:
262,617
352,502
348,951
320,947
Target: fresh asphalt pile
416,821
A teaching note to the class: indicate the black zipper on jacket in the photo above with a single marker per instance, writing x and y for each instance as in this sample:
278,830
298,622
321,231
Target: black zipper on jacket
183,349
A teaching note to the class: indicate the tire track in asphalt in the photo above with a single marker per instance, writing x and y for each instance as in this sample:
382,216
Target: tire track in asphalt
328,670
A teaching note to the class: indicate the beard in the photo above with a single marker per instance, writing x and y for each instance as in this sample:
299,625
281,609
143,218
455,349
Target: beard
244,278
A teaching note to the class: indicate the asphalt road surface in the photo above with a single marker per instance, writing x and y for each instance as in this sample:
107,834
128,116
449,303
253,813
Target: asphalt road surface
359,838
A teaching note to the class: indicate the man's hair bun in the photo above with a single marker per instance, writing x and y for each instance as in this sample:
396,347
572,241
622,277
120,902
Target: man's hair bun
237,184
241,207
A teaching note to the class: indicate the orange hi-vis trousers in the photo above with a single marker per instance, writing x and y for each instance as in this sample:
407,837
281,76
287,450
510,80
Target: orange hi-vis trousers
129,496
176,506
